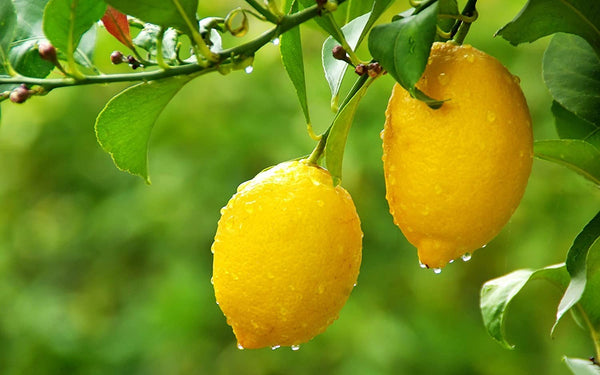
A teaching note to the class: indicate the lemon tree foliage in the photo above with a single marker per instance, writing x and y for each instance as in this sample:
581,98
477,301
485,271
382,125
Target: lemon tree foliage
49,44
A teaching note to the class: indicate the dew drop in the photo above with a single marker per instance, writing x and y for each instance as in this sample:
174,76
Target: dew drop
451,261
466,257
443,79
437,271
355,284
422,265
320,203
516,79
239,346
295,347
212,281
491,117
483,246
470,58
274,347
249,69
275,41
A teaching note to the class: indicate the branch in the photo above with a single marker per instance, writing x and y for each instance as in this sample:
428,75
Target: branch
228,56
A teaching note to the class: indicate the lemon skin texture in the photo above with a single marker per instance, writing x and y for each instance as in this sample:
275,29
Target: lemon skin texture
287,254
454,176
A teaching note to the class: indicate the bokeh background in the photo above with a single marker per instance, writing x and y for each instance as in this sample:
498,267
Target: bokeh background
103,274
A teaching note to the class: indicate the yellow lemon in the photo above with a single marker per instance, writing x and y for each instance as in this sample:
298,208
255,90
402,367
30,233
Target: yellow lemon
454,176
287,254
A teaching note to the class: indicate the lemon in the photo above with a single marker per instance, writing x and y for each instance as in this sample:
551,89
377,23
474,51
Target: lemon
287,254
454,176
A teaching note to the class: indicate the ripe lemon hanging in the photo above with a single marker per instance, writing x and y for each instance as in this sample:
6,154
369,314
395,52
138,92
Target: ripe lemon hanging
286,255
454,176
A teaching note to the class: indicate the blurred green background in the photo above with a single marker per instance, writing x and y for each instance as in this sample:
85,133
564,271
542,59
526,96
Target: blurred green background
102,274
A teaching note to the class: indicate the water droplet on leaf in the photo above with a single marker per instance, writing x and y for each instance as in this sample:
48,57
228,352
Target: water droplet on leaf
239,346
275,347
275,41
466,257
422,265
437,271
295,347
249,69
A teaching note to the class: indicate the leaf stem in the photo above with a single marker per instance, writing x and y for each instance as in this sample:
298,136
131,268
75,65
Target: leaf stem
269,16
317,153
594,334
227,56
461,28
342,39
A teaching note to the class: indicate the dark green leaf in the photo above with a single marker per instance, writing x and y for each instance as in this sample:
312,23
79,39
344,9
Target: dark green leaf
544,17
335,69
576,265
497,294
291,55
8,23
336,139
580,366
572,73
571,126
65,21
402,47
180,14
123,127
580,156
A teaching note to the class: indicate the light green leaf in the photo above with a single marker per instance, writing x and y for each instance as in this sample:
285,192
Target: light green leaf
357,8
379,6
572,73
571,126
544,17
578,155
580,366
180,14
123,127
23,54
8,23
402,47
497,294
577,266
291,55
338,133
65,21
336,69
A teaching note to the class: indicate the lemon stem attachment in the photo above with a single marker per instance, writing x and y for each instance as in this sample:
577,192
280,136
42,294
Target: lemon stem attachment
468,16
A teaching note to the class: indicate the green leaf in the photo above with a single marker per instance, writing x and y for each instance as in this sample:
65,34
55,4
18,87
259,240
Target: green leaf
571,71
497,294
147,40
544,17
589,301
8,23
379,6
402,47
580,156
580,366
357,8
447,7
338,133
571,126
291,55
65,21
180,14
123,127
336,69
323,21
23,54
577,266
